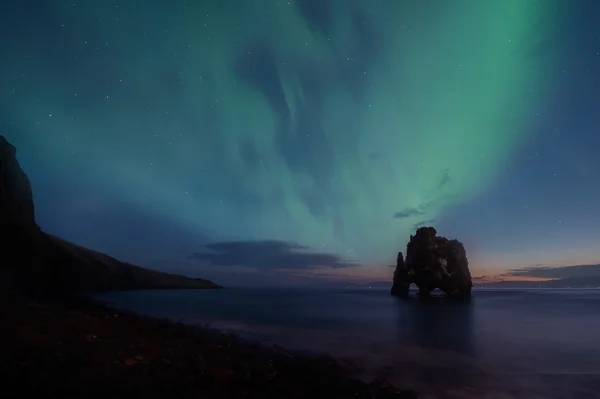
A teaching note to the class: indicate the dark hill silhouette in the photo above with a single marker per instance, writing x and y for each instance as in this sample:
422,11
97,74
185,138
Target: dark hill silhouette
36,262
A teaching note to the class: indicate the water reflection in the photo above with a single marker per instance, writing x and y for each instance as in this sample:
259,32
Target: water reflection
438,323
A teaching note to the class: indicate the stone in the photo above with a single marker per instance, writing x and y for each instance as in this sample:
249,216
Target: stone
432,262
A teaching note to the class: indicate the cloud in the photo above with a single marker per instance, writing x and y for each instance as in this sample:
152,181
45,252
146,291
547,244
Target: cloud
528,270
420,210
557,272
408,213
268,255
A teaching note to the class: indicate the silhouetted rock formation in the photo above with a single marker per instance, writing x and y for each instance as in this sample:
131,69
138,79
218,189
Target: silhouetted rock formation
401,284
35,262
432,262
21,241
16,197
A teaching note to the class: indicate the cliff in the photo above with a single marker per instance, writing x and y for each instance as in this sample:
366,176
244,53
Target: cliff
36,262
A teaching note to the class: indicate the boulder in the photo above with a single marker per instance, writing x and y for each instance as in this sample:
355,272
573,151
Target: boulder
431,263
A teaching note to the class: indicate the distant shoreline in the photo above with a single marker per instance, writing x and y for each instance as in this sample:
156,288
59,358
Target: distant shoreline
537,288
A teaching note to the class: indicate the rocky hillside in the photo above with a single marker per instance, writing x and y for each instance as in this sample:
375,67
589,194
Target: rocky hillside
33,261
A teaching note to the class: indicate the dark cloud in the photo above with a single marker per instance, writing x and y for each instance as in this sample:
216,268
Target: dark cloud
579,271
267,255
528,269
423,209
408,213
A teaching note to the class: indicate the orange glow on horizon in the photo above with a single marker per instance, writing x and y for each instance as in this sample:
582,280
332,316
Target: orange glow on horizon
385,274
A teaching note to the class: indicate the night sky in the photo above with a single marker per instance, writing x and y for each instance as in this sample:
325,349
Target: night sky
276,141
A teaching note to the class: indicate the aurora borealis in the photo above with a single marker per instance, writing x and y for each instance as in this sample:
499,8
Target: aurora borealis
338,125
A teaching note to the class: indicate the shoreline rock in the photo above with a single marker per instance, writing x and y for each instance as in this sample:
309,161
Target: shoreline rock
77,347
432,262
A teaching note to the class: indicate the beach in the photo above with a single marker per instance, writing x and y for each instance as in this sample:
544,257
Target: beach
500,344
78,347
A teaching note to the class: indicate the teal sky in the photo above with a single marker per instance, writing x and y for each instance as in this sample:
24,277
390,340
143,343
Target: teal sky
341,125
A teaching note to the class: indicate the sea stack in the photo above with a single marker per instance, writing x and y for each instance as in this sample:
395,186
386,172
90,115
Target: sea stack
431,263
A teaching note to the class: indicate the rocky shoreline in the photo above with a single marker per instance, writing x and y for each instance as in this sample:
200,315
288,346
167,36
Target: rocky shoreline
64,345
81,348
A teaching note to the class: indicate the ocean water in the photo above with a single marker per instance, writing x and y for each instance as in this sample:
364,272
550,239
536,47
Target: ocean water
501,344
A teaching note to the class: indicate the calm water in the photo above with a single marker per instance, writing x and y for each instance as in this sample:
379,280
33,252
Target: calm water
528,343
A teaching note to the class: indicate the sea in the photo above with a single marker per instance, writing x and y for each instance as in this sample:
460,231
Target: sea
502,343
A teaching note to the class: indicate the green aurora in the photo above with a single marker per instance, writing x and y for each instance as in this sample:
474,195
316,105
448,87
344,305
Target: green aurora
344,126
